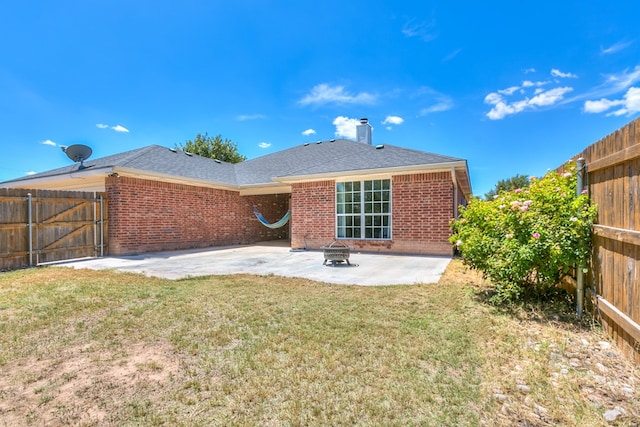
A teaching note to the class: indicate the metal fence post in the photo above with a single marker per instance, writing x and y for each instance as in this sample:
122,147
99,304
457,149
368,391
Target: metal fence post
30,213
580,272
101,226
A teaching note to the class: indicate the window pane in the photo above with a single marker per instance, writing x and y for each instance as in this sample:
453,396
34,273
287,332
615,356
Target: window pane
363,209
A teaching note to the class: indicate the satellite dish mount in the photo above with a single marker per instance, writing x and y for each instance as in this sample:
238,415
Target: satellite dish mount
78,153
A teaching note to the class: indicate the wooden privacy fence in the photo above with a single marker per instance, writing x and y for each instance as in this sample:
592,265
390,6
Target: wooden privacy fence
613,181
38,226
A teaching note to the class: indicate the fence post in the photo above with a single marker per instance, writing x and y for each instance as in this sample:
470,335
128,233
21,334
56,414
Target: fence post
30,211
580,272
101,226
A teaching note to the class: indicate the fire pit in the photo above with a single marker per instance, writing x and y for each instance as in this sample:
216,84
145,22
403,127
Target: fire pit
336,252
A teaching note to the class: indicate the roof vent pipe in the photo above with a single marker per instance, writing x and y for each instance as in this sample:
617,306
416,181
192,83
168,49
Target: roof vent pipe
363,131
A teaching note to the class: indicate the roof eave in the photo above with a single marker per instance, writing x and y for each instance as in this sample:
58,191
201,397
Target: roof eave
142,174
74,180
396,170
261,189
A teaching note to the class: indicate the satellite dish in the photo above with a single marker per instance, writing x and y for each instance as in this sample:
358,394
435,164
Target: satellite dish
78,153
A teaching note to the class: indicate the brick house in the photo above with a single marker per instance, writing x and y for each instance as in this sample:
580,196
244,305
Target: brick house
373,197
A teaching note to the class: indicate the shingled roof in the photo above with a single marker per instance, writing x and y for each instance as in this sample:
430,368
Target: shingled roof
332,157
152,158
324,158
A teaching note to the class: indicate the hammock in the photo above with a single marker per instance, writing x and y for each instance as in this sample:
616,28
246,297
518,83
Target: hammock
266,223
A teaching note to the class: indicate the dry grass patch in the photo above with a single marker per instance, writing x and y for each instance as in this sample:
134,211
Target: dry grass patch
81,347
544,367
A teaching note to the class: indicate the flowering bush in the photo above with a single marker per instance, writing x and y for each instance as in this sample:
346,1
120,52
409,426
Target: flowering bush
527,240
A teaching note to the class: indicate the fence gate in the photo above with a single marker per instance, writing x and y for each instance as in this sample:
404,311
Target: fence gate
38,226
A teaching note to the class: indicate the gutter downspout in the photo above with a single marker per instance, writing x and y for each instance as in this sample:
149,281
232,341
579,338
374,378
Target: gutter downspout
455,193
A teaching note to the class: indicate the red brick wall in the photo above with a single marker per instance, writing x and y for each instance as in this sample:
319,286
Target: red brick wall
313,218
148,216
422,208
422,212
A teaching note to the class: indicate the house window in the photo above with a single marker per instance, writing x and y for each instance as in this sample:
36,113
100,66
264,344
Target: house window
363,209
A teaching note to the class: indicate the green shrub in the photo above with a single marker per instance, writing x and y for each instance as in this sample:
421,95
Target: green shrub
526,240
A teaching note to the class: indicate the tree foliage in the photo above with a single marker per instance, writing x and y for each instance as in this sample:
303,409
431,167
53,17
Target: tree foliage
509,184
214,148
526,240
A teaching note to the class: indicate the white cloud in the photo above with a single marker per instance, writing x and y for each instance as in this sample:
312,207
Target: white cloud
49,142
309,132
503,107
443,105
346,127
557,73
439,101
264,145
326,94
614,84
630,104
393,120
451,55
509,90
601,105
617,47
120,128
31,173
530,70
549,97
117,128
245,117
623,79
389,128
422,30
529,83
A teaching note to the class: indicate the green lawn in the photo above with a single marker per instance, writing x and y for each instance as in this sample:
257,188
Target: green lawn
81,347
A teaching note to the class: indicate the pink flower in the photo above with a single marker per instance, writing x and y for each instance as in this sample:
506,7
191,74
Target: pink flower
524,208
518,190
567,175
585,191
536,235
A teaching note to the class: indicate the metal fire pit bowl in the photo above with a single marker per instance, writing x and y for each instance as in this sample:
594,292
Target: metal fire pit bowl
336,253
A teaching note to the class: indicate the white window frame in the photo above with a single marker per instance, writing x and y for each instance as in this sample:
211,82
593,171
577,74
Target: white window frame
362,215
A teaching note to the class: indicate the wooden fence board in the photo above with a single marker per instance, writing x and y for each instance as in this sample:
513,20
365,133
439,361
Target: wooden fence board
63,226
613,180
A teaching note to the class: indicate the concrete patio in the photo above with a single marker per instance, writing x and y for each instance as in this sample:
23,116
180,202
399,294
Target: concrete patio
367,269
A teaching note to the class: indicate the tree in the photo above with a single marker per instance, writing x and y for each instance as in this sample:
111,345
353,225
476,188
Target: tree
510,184
214,148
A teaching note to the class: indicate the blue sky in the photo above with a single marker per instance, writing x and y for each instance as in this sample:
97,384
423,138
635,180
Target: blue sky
512,87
